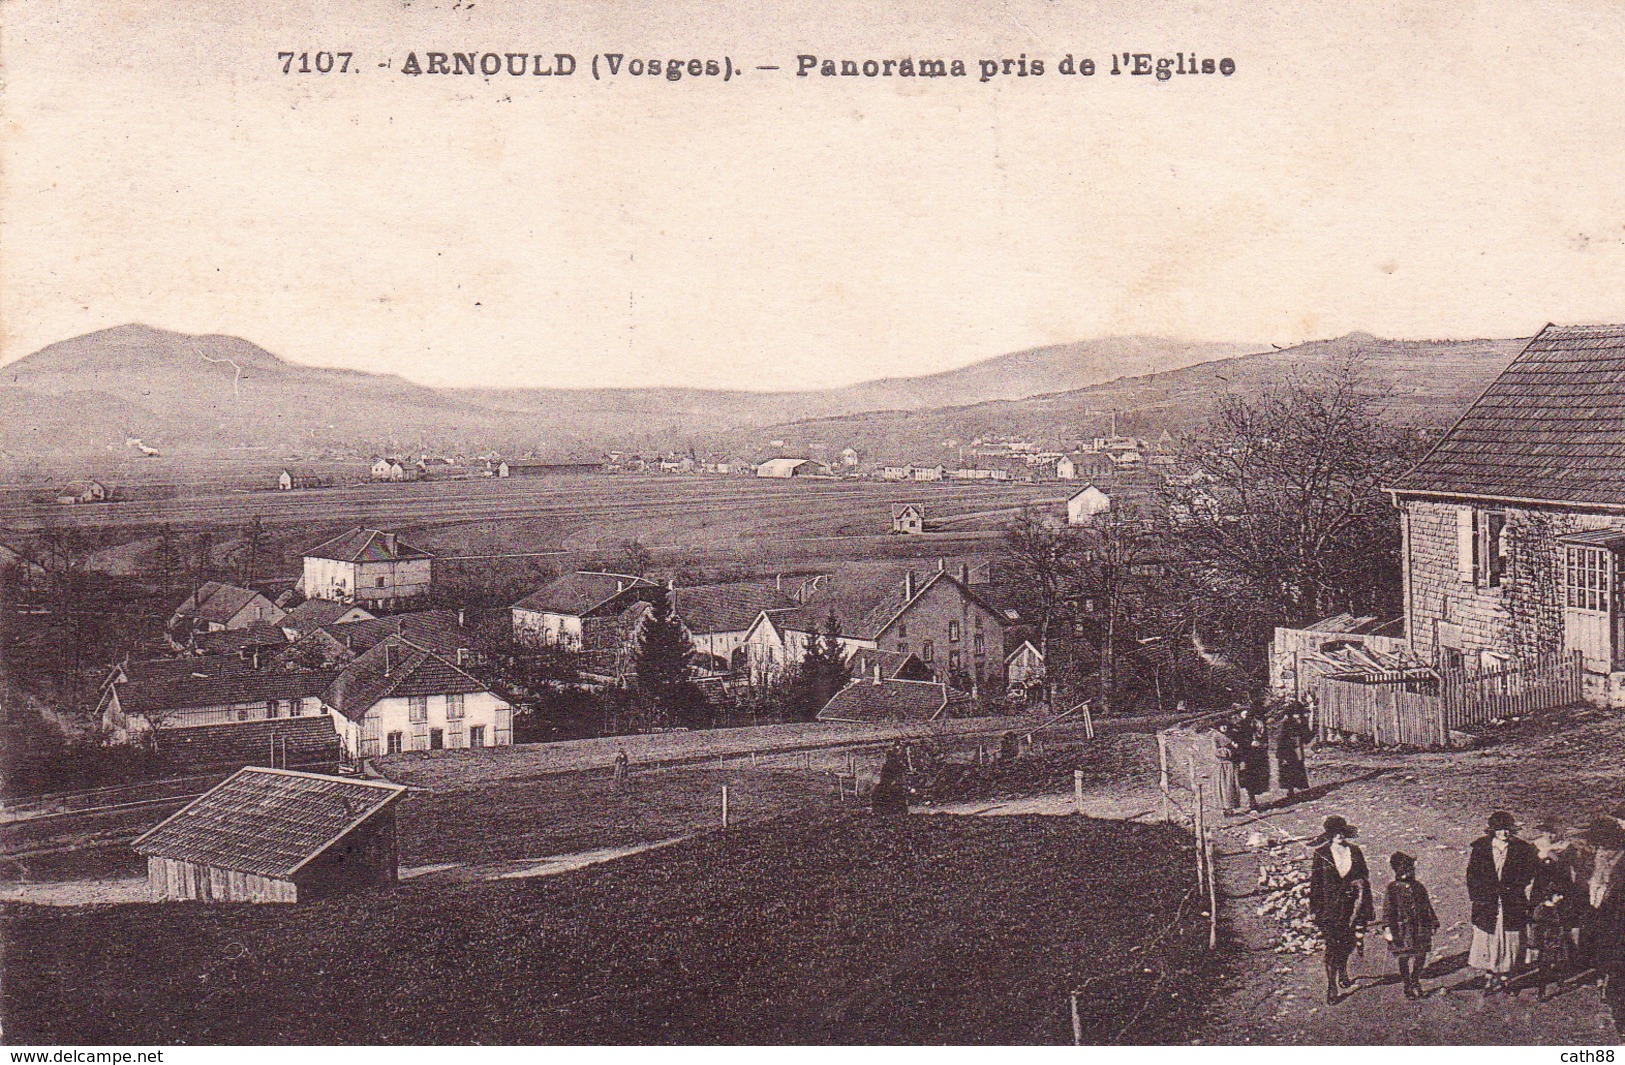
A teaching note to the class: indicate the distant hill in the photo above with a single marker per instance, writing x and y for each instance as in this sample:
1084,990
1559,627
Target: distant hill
174,390
1422,382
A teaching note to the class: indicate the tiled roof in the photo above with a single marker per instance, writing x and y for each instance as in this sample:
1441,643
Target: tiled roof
231,641
578,594
708,608
894,665
1550,428
268,822
395,669
303,740
435,630
216,602
315,613
194,683
890,700
366,545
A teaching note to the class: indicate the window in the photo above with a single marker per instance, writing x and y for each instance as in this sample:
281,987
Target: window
392,743
437,739
978,622
902,647
953,632
273,708
380,583
1481,550
454,707
927,651
902,629
476,736
978,644
1585,579
953,658
417,708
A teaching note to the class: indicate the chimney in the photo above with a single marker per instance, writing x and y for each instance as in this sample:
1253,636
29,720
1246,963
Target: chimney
387,649
908,585
620,586
942,565
256,658
462,619
964,573
877,670
462,653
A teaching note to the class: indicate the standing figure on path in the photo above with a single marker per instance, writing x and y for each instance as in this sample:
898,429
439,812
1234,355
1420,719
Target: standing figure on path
1226,782
1602,917
1294,738
1500,872
1408,923
1339,899
1552,909
1252,736
891,791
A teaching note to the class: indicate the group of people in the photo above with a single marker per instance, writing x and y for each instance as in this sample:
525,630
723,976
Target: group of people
1552,904
1241,751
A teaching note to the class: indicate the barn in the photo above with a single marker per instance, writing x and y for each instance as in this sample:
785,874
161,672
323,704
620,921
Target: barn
274,835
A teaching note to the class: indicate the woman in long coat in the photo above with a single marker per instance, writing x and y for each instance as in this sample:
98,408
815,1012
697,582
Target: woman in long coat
1339,899
1226,782
1500,871
1252,739
1294,737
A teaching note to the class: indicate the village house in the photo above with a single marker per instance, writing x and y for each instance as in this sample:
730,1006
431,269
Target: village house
403,697
717,618
82,492
1513,525
926,471
907,518
290,480
313,614
138,698
216,605
849,458
896,472
367,566
1086,504
272,835
1024,665
875,664
941,617
385,469
580,611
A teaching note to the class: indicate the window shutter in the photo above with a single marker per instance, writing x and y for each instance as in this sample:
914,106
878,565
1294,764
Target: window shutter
1466,537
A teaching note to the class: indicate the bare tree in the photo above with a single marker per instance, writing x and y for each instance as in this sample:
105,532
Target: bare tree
1043,556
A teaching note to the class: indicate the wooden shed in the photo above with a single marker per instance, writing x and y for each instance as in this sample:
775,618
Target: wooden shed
274,835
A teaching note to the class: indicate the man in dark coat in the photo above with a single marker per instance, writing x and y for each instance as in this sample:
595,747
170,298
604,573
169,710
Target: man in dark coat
1253,753
1500,871
1339,899
891,791
1294,737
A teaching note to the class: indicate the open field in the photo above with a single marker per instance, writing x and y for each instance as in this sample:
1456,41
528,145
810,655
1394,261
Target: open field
718,517
857,930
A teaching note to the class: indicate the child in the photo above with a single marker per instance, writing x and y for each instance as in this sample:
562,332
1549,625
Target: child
1409,923
1552,906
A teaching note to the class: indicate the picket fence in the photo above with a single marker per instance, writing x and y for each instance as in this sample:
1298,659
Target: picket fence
1421,708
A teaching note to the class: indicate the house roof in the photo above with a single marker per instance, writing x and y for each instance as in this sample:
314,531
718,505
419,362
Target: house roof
890,700
580,593
899,509
434,630
302,740
1549,429
1091,487
395,669
366,545
217,602
1027,646
894,665
316,613
229,641
269,822
708,608
866,597
189,683
785,465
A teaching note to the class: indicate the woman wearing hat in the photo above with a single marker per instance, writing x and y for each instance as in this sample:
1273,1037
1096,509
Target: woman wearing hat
1553,908
1252,740
1294,737
1500,870
1339,899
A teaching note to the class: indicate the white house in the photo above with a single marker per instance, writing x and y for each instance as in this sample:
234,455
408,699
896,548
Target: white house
907,518
921,471
896,472
576,610
1085,504
216,605
849,458
83,492
368,566
718,617
1024,665
402,697
138,697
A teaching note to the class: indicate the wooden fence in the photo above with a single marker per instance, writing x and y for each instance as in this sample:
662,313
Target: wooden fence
1419,709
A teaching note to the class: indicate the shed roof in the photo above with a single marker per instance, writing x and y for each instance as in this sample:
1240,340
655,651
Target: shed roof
366,545
269,822
1549,429
890,700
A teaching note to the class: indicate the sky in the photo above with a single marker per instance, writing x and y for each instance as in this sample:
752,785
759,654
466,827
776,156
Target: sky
1406,169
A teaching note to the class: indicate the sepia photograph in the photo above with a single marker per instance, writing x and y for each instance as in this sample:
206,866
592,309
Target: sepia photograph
573,523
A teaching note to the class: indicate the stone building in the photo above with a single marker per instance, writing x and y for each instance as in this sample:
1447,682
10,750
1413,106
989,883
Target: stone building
1513,525
367,566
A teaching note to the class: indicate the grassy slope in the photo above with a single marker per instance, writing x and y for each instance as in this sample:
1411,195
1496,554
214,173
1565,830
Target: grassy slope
919,930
